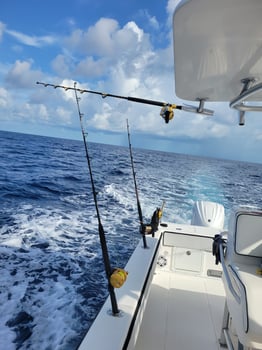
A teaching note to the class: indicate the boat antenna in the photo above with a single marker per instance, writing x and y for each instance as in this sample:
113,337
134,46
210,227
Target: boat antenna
140,215
108,269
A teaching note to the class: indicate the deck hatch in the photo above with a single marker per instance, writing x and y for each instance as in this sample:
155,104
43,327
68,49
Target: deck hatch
187,260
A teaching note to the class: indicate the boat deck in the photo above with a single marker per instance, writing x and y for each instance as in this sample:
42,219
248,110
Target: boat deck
183,304
186,301
188,314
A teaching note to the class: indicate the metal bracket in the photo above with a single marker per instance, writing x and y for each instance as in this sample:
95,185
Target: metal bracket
200,109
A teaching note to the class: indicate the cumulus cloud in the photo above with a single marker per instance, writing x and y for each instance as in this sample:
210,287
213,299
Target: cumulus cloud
61,65
91,68
96,40
96,52
21,75
106,38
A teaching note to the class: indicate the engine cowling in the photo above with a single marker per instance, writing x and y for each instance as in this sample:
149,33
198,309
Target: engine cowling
210,214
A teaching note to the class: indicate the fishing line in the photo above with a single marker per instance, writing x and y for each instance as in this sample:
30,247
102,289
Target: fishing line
101,231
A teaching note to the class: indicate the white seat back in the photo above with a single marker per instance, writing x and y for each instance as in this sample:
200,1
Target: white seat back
248,234
245,237
242,279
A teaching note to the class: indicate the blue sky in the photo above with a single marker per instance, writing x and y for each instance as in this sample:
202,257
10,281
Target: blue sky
118,47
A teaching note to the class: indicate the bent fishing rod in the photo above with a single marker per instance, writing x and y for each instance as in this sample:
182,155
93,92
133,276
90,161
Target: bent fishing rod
105,254
166,112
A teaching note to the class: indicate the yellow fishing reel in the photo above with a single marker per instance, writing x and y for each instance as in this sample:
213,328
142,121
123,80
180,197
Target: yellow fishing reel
167,112
118,278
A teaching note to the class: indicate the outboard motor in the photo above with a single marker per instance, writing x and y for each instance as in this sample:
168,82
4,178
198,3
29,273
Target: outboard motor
208,214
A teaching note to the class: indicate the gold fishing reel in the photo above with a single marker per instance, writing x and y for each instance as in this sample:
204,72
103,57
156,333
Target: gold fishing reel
167,112
118,277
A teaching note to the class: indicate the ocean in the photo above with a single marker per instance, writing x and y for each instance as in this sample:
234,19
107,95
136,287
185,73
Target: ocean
52,280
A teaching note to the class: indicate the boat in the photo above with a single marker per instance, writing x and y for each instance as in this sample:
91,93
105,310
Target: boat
198,285
176,295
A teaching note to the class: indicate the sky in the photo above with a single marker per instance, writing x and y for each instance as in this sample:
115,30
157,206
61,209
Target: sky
118,47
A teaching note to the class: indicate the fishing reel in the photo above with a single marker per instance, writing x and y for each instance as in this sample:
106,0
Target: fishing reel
167,112
151,228
118,277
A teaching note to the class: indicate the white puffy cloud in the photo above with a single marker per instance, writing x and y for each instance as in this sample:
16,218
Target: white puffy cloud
91,68
106,38
21,75
96,52
61,65
96,40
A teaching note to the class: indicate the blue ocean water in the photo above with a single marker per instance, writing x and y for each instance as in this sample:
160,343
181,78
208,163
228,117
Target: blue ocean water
52,280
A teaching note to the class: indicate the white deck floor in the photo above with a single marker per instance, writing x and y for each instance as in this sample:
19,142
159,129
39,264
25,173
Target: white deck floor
188,314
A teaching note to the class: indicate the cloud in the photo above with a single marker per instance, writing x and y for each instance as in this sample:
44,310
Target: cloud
91,68
2,29
144,15
64,115
4,98
61,64
96,40
35,41
106,38
20,75
130,66
95,53
134,69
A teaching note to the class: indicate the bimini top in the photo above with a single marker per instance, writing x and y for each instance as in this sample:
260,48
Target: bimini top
217,44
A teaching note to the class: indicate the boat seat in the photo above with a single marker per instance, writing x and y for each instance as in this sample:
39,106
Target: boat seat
243,276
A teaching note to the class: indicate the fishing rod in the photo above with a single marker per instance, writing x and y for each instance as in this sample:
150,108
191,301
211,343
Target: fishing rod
108,268
140,215
166,112
152,227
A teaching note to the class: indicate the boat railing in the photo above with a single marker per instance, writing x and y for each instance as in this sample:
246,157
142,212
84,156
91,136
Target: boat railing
238,102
